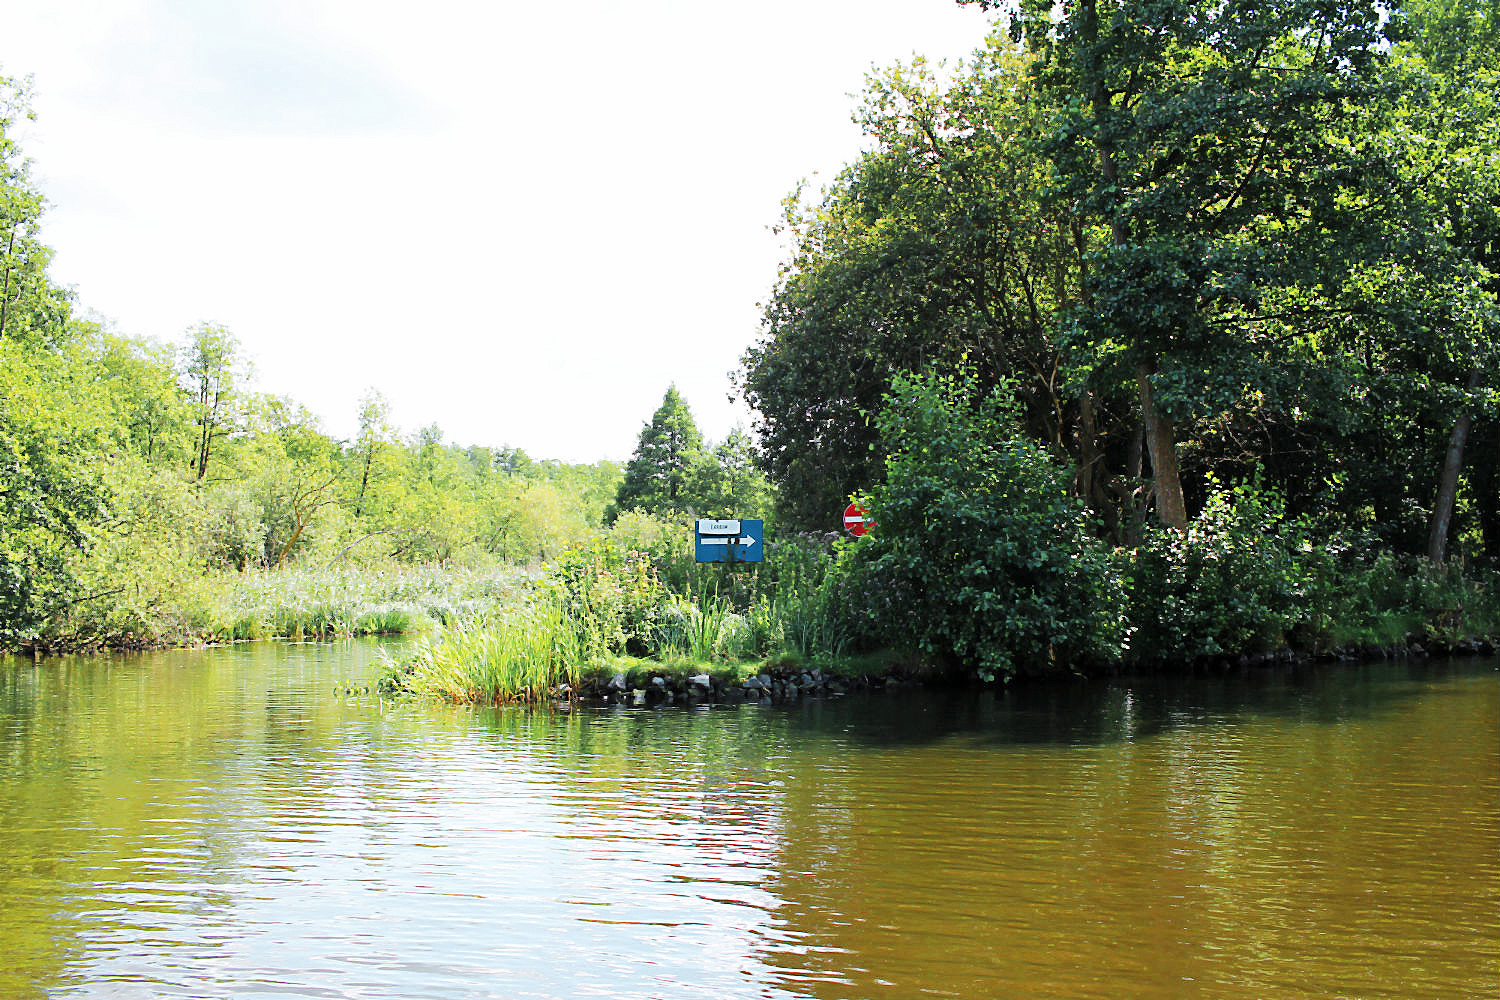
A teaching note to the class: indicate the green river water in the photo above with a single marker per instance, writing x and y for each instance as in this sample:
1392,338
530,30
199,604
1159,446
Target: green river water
217,823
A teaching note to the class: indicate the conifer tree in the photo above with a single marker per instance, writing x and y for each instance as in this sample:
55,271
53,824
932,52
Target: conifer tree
659,474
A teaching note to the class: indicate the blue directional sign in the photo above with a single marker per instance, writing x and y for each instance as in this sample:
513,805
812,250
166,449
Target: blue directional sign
730,540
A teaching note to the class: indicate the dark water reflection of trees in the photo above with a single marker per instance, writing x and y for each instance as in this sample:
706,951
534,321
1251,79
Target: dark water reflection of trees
1101,711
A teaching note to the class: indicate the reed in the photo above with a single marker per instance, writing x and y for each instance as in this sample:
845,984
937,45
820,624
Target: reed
331,603
811,623
520,656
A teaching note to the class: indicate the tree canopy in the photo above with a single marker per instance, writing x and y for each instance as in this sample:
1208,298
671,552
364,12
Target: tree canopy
1196,242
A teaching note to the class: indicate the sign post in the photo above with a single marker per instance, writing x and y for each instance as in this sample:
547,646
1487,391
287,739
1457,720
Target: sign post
730,540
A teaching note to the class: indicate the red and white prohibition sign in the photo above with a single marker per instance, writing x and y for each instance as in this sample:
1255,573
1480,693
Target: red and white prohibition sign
854,520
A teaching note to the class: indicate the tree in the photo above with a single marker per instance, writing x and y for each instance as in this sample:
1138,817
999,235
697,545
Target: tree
148,402
979,543
212,372
933,246
54,419
32,308
668,452
298,471
728,483
375,435
1460,43
1195,133
50,494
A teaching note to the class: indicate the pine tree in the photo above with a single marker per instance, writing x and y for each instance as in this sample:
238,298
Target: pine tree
659,474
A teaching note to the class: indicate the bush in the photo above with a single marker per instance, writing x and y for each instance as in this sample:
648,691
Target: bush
1236,581
979,550
518,655
613,596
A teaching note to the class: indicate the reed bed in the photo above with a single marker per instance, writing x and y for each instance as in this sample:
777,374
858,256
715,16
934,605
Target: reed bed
347,601
520,656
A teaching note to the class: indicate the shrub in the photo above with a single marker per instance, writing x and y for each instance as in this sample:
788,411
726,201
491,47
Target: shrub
519,655
1236,581
613,596
979,551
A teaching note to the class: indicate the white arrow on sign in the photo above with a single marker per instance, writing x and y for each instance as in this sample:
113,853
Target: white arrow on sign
745,540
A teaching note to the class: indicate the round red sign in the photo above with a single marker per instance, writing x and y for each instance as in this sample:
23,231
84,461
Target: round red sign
854,520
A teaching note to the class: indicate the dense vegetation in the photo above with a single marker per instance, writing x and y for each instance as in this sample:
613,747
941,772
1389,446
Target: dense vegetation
1199,243
1223,274
1156,332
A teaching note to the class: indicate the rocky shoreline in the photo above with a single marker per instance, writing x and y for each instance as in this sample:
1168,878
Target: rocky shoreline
788,683
782,685
768,687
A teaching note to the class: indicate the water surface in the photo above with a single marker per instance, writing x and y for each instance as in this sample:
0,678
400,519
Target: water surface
219,823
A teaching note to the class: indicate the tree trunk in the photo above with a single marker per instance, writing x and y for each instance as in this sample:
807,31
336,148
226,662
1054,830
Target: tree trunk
1093,477
1161,440
364,481
1453,464
5,293
1161,443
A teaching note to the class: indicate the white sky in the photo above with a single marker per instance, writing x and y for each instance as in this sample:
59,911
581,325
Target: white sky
519,221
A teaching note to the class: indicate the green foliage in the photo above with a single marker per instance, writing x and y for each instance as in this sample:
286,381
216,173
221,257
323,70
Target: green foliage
1384,599
931,246
1236,582
728,484
1266,230
703,631
33,310
1260,229
52,490
673,474
816,622
613,597
979,551
213,369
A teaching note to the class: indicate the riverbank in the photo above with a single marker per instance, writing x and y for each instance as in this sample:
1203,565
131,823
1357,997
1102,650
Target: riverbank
631,617
637,682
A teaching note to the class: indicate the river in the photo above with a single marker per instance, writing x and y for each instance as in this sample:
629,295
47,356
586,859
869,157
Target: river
219,823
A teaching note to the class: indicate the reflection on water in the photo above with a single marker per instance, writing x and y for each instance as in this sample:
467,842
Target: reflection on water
210,823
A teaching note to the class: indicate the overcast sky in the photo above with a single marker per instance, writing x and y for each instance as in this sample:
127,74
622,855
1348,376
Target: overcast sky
519,221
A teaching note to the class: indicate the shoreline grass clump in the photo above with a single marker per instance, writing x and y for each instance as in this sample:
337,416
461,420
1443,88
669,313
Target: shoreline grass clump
603,609
519,656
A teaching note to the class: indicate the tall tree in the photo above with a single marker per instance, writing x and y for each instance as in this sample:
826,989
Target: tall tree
667,453
932,246
1192,133
1458,43
54,417
728,483
32,308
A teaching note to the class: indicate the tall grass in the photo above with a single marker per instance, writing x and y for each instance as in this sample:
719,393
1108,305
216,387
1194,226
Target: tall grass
516,657
703,630
328,603
811,622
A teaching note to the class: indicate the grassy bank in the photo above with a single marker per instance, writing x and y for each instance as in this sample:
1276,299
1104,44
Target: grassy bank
630,611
